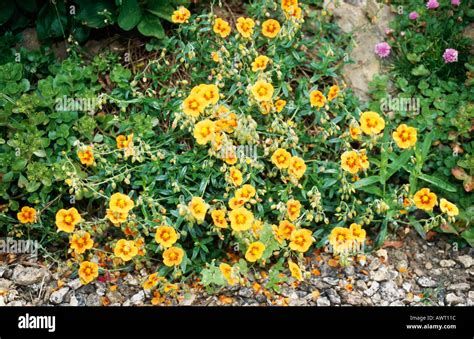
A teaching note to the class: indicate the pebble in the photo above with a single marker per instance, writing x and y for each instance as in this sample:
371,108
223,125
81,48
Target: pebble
453,299
428,265
397,303
323,301
372,290
374,264
361,285
245,292
92,300
138,298
331,281
459,287
73,301
380,275
447,263
333,296
5,284
407,286
389,291
466,260
57,297
75,284
26,276
426,282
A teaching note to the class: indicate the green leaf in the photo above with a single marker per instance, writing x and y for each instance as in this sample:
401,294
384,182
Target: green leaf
151,26
366,181
92,13
437,182
420,71
468,235
382,235
398,163
130,14
160,8
418,227
51,21
27,5
7,8
19,164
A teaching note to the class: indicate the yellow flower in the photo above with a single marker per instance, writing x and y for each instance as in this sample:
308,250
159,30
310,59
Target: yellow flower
340,238
295,270
350,162
245,193
221,27
279,105
230,157
125,249
116,217
123,141
151,281
180,15
66,220
355,132
288,5
121,203
371,123
363,159
262,91
215,57
173,256
204,131
260,63
333,92
293,208
317,99
245,26
235,176
297,167
285,229
198,208
281,158
241,219
357,232
227,272
254,251
257,227
270,28
86,156
236,202
80,242
266,107
166,236
194,105
425,200
88,271
27,215
218,216
301,240
210,93
295,12
448,207
405,136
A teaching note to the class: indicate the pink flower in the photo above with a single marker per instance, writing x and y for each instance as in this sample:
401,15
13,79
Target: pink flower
450,55
413,16
455,2
432,4
382,49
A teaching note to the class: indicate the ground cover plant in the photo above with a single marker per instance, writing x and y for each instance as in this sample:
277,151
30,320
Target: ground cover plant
232,144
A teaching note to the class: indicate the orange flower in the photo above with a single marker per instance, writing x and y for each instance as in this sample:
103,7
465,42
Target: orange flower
121,203
86,156
405,136
27,215
317,99
293,208
297,167
289,5
281,158
228,273
81,241
357,232
125,249
295,270
204,131
301,240
123,141
245,193
355,132
350,162
260,63
241,219
221,27
173,256
363,159
270,28
371,123
194,105
340,238
166,236
181,15
333,92
245,26
218,216
266,107
66,220
198,208
285,229
151,281
254,251
279,105
236,202
425,200
88,271
210,93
